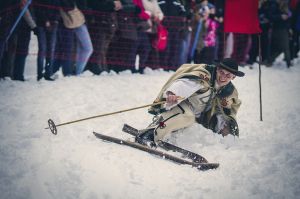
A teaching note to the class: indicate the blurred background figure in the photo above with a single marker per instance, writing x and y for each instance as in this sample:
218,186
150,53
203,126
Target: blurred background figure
295,28
149,17
207,54
102,25
47,16
119,56
74,22
14,58
7,17
201,23
174,21
279,15
265,35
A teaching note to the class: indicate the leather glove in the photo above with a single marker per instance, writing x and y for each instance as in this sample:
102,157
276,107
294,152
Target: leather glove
230,127
225,130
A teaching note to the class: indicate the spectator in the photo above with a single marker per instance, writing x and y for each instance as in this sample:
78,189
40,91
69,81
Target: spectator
18,46
102,24
74,21
199,29
264,37
295,28
175,18
7,16
46,17
119,54
207,54
219,17
279,15
186,33
148,19
63,56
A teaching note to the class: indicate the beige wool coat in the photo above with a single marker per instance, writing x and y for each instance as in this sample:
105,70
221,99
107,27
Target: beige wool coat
223,101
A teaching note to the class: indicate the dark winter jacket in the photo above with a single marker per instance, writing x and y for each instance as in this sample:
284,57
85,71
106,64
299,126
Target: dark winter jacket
45,10
127,18
274,15
297,24
174,12
101,5
68,5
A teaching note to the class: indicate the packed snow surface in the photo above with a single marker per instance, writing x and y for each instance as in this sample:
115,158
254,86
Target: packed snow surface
264,162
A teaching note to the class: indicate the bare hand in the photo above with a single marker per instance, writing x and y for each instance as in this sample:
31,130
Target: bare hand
171,98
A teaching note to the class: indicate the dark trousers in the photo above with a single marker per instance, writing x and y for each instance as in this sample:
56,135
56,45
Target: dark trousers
6,23
14,57
101,37
279,44
240,47
169,59
142,47
2,45
119,54
23,39
64,51
264,45
46,43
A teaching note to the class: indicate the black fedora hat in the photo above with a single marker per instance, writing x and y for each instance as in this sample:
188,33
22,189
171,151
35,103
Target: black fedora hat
231,66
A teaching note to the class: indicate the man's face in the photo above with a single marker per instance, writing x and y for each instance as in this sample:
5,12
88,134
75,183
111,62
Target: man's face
224,76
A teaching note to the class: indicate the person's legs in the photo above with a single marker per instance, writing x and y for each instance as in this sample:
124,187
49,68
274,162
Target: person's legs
143,50
51,36
104,49
42,45
2,45
179,117
97,37
84,48
279,44
24,36
65,50
286,48
9,56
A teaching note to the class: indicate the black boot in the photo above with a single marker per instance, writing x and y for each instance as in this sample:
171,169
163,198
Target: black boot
146,137
48,78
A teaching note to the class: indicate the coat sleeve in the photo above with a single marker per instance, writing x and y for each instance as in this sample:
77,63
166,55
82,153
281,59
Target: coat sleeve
231,104
183,88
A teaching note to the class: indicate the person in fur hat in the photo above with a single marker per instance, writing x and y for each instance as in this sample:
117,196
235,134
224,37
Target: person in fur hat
196,93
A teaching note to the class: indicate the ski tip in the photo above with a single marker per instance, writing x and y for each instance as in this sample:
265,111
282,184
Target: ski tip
207,166
96,134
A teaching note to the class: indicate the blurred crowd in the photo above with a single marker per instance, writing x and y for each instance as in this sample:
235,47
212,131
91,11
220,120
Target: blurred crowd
103,35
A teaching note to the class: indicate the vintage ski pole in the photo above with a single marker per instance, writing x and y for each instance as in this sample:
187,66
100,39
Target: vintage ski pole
24,9
53,127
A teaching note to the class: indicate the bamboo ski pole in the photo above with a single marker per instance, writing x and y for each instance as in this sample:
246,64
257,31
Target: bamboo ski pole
52,126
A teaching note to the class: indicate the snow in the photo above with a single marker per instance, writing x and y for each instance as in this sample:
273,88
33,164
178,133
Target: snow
264,162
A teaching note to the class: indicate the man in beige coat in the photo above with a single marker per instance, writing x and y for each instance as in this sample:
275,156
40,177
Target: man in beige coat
196,93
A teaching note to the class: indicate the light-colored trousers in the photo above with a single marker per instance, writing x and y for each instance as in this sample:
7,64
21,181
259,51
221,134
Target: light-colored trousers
179,117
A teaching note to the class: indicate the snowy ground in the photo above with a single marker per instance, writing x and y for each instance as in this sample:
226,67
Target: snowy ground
263,163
